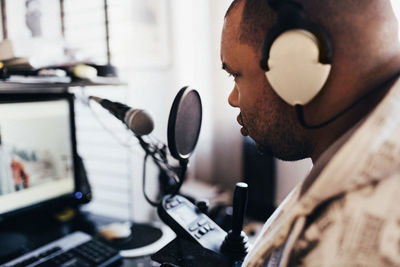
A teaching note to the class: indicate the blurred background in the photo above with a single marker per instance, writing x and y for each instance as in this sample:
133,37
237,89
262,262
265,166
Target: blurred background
158,46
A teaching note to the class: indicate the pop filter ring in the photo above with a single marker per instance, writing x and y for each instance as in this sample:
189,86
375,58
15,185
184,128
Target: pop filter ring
172,120
173,115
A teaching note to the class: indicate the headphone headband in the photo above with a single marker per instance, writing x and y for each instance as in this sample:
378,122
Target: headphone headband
290,16
296,54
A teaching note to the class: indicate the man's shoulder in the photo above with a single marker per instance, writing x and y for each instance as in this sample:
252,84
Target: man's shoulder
360,227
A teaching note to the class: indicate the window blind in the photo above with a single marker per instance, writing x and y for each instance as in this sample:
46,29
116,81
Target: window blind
107,161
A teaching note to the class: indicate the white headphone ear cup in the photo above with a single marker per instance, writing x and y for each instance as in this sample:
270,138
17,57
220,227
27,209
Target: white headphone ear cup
295,72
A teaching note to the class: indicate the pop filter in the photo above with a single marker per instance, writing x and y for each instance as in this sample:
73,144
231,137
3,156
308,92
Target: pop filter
184,123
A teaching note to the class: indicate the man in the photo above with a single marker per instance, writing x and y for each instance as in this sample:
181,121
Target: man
345,213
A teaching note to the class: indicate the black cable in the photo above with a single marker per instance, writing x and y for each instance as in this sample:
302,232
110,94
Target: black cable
153,151
153,203
300,111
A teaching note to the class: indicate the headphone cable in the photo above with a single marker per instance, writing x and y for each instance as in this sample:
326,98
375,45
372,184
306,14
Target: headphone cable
300,110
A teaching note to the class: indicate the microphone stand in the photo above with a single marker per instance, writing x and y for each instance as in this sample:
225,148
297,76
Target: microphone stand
183,163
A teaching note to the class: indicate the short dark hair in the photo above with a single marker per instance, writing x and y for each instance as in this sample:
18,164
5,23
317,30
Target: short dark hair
256,17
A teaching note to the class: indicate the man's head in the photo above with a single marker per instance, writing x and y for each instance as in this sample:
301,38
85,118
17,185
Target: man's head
365,42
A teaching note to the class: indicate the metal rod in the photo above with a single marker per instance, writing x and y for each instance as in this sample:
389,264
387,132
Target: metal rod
106,19
62,14
4,18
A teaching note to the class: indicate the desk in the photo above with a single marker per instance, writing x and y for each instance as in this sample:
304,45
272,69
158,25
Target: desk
31,232
38,230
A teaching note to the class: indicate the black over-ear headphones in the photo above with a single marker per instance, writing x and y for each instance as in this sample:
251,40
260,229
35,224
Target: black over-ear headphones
296,54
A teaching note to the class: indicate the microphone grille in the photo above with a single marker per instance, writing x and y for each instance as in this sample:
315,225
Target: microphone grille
139,121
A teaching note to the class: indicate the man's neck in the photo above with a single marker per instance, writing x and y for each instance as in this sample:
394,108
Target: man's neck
328,135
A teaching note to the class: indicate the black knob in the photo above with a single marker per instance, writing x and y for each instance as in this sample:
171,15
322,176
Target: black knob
239,207
203,205
235,245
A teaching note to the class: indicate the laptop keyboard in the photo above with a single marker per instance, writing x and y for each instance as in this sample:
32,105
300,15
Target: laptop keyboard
75,249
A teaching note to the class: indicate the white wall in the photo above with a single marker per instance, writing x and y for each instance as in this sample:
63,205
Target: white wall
195,28
198,26
396,8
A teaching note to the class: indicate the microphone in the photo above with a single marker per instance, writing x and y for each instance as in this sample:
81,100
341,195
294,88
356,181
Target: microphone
137,120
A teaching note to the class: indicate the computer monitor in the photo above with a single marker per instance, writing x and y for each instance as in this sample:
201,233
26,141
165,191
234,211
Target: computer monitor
37,151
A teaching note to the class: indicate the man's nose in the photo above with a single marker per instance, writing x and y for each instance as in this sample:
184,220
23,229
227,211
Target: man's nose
233,98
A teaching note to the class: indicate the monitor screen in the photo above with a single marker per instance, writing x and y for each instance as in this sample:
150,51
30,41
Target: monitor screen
36,150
